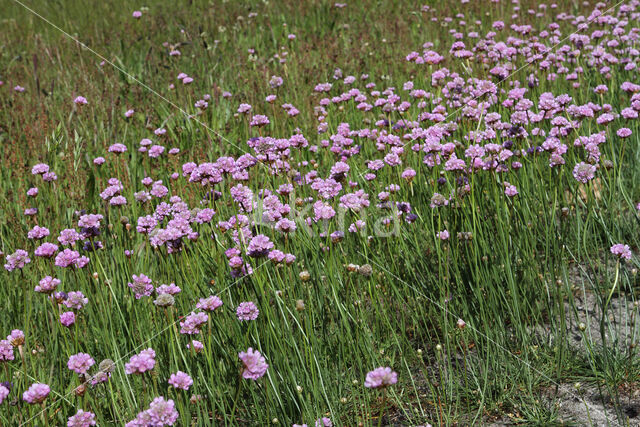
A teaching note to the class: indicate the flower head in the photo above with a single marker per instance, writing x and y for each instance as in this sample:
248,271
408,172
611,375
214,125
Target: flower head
37,393
247,311
181,380
142,286
210,303
254,364
6,351
142,362
621,250
16,338
584,172
82,419
80,363
381,377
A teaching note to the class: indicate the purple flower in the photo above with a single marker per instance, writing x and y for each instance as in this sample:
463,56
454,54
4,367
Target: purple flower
137,15
210,303
197,346
37,393
46,250
67,318
40,169
38,233
259,120
16,338
118,201
140,363
70,258
409,174
621,250
381,377
18,259
90,221
129,113
584,172
180,380
170,289
254,364
155,151
76,300
275,82
142,286
324,422
82,419
511,190
247,311
6,351
162,412
205,216
244,108
69,237
49,177
443,235
4,392
80,363
624,132
80,100
192,323
146,224
259,246
438,200
117,148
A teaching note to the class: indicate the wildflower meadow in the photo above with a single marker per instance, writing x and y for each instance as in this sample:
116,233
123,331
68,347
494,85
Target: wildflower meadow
310,213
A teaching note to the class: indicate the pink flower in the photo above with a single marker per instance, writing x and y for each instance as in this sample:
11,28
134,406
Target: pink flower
136,14
254,364
47,285
443,235
80,363
247,311
82,419
381,377
624,132
142,362
210,303
584,172
67,318
181,380
4,392
37,393
511,190
16,338
621,250
197,346
80,100
6,351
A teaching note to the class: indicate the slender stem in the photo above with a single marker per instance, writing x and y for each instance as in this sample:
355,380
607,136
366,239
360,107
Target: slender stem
382,407
235,399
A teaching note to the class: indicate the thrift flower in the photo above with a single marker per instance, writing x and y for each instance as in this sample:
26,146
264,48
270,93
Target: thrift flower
254,364
37,393
247,311
381,377
181,380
